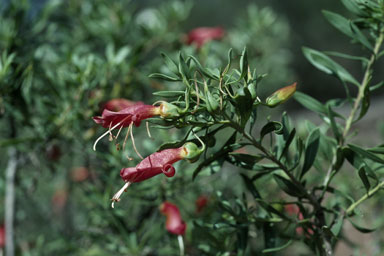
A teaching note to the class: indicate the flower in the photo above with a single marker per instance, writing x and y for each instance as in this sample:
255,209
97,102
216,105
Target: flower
119,104
201,203
79,174
199,36
280,96
174,223
2,236
133,114
293,209
123,118
157,163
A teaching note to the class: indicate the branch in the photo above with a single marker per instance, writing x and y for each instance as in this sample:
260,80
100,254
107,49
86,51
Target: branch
9,204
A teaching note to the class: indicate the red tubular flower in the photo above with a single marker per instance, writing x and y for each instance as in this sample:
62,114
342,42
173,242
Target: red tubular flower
174,223
119,104
201,203
2,236
157,163
133,114
200,36
123,118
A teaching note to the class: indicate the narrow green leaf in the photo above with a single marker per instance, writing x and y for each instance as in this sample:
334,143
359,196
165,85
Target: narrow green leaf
287,186
276,249
347,56
311,148
172,66
164,77
336,228
310,103
364,178
244,64
250,186
365,103
365,153
328,66
361,229
353,7
339,22
288,142
203,70
272,126
169,94
244,160
244,104
359,36
334,127
377,150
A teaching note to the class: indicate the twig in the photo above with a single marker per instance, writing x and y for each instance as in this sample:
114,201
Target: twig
9,204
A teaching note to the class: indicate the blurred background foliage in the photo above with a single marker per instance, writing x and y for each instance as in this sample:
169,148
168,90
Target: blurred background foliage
62,60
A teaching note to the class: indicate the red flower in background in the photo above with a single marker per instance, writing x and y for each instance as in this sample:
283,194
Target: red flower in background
79,174
119,104
200,36
201,203
293,209
174,223
2,236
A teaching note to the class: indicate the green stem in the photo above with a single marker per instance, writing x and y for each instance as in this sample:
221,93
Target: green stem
351,117
363,86
350,209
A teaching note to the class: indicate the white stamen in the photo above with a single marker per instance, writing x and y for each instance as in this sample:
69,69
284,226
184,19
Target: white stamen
108,132
134,145
181,244
116,197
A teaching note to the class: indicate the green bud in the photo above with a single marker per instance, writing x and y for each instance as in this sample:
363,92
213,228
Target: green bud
280,96
168,110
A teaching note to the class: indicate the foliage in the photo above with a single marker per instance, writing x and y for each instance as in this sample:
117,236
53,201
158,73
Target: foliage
270,185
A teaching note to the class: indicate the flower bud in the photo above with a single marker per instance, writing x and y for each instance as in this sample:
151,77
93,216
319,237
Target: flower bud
168,110
191,151
280,96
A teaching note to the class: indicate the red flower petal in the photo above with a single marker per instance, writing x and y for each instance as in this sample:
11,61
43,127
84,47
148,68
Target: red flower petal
174,223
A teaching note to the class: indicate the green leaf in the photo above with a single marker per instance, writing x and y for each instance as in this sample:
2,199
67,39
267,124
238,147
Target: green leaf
288,142
334,127
172,66
244,160
364,178
365,103
361,229
353,7
336,228
244,104
250,186
365,153
377,150
169,94
244,63
311,148
310,103
347,56
183,68
164,77
276,249
203,70
339,22
328,66
287,186
359,36
272,126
